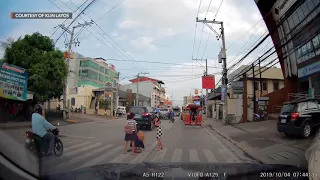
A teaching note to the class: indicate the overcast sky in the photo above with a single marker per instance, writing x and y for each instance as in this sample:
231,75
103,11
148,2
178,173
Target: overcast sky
160,31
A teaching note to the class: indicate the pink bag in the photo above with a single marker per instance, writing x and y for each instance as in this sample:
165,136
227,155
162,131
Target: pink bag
127,129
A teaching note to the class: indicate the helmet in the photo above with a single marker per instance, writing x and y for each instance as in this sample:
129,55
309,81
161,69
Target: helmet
38,109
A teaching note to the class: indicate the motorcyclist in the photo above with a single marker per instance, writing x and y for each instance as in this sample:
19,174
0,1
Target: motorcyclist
40,126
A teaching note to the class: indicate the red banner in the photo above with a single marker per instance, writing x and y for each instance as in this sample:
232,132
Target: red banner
208,82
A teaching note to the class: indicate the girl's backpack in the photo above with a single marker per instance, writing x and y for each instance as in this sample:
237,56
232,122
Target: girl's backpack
127,129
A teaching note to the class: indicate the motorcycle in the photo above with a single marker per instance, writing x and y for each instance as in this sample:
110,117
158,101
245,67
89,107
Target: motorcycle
39,147
260,117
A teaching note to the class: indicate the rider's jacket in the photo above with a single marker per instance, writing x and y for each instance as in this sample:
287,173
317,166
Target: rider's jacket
40,125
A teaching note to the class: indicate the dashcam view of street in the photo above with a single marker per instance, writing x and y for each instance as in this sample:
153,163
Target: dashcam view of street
161,89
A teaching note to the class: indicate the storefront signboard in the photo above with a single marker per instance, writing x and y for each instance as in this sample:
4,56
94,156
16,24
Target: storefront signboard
13,82
280,7
309,70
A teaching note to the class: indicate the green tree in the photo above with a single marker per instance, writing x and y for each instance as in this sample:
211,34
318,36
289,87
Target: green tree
104,104
45,65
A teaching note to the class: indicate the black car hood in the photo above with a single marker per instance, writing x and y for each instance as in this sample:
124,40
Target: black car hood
177,171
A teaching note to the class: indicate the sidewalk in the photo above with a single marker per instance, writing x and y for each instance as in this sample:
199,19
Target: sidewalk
262,142
27,124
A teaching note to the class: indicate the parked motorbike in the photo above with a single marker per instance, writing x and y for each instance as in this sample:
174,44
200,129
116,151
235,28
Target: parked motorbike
260,117
39,147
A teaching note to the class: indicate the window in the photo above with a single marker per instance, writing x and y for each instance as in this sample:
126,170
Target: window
73,101
312,105
256,86
265,86
275,86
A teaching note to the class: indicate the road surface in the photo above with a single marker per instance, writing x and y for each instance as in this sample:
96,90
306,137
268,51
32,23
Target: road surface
101,141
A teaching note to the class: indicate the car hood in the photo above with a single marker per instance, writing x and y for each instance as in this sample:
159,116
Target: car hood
174,171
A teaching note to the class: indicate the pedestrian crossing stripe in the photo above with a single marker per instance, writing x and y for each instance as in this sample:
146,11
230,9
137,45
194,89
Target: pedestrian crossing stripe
79,155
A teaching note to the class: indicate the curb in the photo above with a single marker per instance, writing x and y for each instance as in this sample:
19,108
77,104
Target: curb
243,148
72,121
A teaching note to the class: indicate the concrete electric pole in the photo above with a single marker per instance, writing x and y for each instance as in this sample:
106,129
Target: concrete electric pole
65,109
206,71
137,94
222,57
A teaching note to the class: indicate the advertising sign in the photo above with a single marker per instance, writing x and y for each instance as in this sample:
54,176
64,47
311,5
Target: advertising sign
108,87
13,82
281,7
208,82
197,103
309,70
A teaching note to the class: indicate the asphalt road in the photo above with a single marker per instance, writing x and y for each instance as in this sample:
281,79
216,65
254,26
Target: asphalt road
101,141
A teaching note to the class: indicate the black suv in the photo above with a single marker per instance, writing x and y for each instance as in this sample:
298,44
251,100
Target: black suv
299,118
144,116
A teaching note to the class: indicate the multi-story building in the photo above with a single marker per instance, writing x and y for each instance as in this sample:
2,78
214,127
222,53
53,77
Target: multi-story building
294,28
86,75
185,101
147,87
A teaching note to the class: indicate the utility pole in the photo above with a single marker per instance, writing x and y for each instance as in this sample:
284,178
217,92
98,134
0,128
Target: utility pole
206,71
137,94
260,80
65,109
222,56
254,89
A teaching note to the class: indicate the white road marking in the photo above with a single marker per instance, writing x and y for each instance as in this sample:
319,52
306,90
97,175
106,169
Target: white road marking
71,153
160,155
209,155
141,157
101,158
193,153
86,137
221,144
76,146
82,157
177,155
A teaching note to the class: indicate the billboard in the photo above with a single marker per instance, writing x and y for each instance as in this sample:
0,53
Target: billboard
13,82
208,82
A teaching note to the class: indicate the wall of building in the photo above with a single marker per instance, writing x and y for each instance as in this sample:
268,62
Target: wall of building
270,86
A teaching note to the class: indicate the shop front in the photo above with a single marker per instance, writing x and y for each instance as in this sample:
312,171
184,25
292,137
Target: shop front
309,78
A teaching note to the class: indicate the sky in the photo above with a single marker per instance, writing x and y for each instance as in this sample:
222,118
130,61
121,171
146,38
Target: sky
158,37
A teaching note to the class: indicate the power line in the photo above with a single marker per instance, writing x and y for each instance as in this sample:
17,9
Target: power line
205,48
63,11
110,10
155,62
109,37
288,52
76,19
272,31
203,27
247,31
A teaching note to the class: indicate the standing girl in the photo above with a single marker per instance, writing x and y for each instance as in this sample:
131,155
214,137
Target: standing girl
131,133
159,133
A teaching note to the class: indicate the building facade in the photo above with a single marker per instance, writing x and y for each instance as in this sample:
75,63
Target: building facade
87,74
148,87
294,27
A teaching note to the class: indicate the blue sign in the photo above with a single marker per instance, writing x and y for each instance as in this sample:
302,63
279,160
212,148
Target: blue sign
197,103
13,82
223,92
309,70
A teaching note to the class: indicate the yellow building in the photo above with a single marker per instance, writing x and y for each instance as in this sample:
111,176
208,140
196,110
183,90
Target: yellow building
271,80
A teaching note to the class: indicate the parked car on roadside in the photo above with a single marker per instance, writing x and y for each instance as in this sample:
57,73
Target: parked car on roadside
143,116
299,118
121,110
164,113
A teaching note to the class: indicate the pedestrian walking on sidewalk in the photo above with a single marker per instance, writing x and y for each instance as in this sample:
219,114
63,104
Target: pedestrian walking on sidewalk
130,133
159,133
